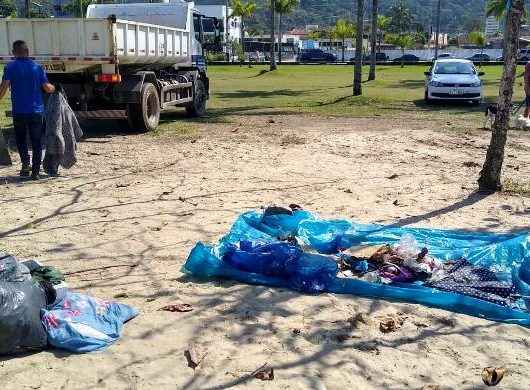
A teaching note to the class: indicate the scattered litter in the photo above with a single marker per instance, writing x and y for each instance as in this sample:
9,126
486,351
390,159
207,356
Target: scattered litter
348,191
493,375
121,295
296,331
471,164
194,356
122,185
177,307
390,324
93,153
392,177
271,121
265,373
396,203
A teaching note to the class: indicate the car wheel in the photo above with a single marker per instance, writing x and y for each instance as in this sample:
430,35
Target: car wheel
475,102
426,98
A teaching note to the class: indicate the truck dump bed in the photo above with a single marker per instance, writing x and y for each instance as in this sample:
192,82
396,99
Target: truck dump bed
72,45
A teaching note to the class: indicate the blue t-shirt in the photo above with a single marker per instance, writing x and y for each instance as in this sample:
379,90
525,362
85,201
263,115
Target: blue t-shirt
26,78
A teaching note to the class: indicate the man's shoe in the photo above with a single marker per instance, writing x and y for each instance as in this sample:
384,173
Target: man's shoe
25,171
35,176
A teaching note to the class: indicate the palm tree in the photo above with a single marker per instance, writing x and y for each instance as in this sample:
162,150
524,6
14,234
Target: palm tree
342,30
478,39
272,53
382,26
496,8
490,175
373,39
283,7
243,10
358,72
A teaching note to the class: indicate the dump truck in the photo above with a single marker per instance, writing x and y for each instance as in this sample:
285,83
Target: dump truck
123,61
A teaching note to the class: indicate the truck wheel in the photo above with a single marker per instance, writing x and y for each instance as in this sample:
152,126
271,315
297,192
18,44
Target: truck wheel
197,107
146,115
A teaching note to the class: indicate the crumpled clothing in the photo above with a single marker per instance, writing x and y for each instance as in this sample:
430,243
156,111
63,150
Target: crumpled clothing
478,282
396,273
62,134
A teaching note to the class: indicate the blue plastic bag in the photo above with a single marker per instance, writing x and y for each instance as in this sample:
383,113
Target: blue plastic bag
506,253
304,272
80,323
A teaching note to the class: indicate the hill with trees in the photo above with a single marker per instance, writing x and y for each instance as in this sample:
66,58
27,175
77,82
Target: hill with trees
456,15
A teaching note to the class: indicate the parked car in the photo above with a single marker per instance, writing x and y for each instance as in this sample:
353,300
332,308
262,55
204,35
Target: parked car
479,57
407,58
453,79
316,55
523,56
379,57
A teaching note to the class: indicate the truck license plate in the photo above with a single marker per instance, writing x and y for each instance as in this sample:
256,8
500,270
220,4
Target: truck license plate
54,67
456,92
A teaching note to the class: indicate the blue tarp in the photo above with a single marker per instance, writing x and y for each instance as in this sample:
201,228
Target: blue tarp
506,254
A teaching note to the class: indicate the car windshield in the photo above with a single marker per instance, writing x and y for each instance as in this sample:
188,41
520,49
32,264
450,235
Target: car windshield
453,68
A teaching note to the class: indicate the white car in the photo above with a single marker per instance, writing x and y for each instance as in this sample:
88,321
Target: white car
453,79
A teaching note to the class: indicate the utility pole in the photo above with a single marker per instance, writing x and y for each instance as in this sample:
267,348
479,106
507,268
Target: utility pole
226,31
437,30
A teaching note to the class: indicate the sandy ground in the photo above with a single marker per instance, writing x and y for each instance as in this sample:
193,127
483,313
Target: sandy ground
122,222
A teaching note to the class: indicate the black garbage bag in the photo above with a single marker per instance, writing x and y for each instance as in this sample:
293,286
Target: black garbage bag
21,300
20,324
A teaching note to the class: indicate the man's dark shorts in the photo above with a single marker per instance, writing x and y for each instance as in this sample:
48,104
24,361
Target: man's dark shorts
527,101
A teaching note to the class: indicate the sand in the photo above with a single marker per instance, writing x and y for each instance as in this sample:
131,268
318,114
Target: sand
122,222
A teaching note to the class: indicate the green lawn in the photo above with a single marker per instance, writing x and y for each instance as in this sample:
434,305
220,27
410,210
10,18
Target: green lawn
326,90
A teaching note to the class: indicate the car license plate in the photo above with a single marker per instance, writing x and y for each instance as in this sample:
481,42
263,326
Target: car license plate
455,91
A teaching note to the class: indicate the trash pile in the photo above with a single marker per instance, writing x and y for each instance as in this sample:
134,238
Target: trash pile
481,274
38,310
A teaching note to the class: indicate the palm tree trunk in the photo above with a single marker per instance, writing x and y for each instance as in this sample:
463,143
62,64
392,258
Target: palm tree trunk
490,175
373,38
358,72
280,37
273,36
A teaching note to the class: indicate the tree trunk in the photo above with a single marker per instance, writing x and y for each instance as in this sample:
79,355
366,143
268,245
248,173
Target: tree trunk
490,175
358,72
280,37
373,39
273,36
402,59
5,158
343,49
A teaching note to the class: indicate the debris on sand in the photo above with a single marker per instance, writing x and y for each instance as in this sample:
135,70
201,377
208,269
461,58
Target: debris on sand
177,307
491,376
265,373
390,324
194,356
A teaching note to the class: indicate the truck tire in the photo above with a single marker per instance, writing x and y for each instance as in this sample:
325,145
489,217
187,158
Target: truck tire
197,107
145,116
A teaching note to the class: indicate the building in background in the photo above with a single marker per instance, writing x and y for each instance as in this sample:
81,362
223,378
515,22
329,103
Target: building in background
492,26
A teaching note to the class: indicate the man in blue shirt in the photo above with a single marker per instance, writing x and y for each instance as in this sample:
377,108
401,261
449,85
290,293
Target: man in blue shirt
27,81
